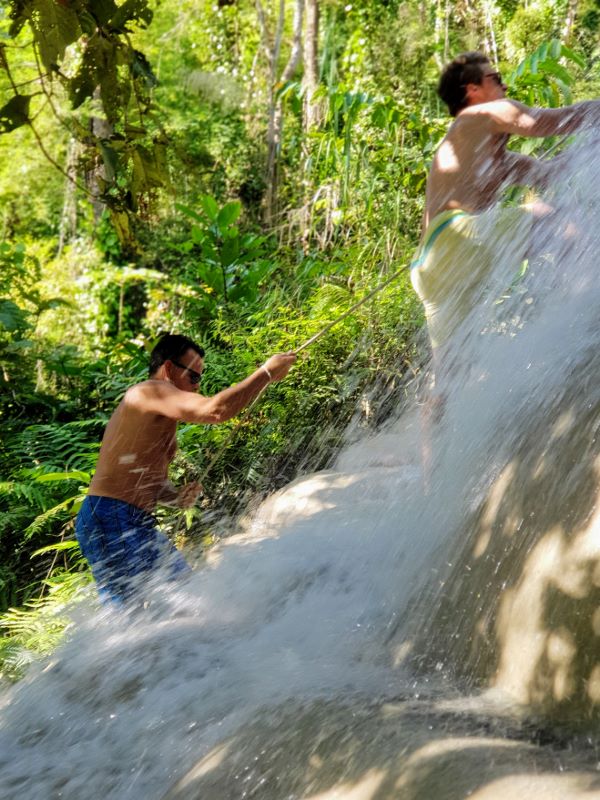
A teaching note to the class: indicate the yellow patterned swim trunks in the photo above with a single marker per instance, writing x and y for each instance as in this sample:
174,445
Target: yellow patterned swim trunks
455,259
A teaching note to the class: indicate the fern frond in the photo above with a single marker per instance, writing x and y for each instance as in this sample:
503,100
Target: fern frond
330,297
72,504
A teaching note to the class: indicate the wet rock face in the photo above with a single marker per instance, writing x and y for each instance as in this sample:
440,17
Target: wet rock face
366,751
519,605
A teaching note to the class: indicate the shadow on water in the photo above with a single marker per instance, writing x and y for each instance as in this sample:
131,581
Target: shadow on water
364,751
520,605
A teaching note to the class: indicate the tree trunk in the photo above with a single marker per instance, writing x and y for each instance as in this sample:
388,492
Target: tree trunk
570,20
275,127
101,129
310,80
68,220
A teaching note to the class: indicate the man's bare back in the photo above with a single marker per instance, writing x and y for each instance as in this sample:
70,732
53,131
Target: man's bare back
472,164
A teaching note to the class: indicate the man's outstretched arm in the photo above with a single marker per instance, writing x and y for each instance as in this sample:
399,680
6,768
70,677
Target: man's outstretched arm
161,397
514,118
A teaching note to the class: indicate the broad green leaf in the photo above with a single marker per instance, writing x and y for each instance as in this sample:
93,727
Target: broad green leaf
228,214
230,251
553,68
198,234
555,49
87,22
111,161
120,221
131,10
232,232
15,113
210,207
103,10
141,69
12,318
533,63
573,56
379,116
146,171
55,26
75,475
82,86
189,212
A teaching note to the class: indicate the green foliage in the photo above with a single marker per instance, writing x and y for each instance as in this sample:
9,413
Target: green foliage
84,52
231,264
543,78
531,25
38,628
14,113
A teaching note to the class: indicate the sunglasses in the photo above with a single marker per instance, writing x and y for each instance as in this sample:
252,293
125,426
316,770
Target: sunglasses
495,76
193,375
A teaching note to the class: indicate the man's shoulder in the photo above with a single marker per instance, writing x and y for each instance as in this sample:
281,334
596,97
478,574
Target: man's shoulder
491,110
493,118
152,388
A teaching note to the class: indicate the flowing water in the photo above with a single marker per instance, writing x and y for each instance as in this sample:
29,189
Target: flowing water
419,621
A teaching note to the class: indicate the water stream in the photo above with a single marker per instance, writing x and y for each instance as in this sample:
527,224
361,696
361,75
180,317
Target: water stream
419,621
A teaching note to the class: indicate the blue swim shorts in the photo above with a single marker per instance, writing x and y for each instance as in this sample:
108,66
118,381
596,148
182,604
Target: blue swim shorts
122,545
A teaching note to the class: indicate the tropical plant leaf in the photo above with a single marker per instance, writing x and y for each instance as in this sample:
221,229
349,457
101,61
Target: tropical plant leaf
130,11
57,547
331,296
228,214
147,171
189,212
15,113
55,26
210,207
75,475
71,504
12,317
141,68
572,55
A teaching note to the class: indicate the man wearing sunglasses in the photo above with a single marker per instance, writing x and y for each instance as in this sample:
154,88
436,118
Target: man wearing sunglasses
115,526
465,229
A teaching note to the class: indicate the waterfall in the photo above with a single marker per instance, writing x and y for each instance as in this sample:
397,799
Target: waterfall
420,621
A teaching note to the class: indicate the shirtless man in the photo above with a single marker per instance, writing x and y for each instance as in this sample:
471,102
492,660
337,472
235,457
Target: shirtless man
470,169
115,527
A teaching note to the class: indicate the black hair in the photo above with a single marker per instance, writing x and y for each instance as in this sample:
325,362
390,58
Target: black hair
465,68
171,346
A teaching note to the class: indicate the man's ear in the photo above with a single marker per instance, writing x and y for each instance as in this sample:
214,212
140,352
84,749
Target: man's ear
472,91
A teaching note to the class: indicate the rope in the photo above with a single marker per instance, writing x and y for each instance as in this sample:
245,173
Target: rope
302,347
351,310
